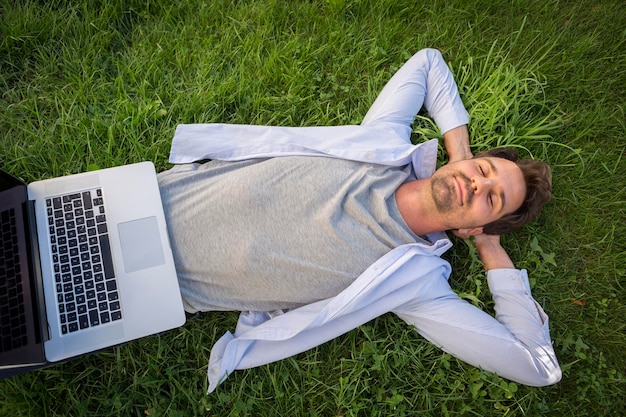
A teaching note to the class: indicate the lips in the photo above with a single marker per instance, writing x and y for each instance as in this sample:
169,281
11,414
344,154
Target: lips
459,189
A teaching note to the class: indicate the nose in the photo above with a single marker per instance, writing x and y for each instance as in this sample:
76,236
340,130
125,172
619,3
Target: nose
481,184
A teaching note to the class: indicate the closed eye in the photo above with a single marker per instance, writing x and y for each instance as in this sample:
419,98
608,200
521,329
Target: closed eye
490,195
501,195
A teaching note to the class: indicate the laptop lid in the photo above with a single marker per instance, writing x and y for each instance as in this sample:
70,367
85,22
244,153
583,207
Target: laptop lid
21,341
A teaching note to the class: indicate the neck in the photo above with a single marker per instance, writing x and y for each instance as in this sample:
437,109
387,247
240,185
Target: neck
416,207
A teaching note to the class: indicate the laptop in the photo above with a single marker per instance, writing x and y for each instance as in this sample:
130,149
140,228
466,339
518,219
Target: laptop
85,264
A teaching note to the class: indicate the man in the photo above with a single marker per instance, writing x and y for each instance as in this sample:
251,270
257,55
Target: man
341,224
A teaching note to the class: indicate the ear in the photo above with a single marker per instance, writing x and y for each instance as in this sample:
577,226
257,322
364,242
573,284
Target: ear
466,233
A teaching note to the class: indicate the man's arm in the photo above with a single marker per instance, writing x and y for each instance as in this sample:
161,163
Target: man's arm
491,252
515,344
424,80
456,142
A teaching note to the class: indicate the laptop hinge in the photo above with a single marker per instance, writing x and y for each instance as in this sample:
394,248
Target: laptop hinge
39,299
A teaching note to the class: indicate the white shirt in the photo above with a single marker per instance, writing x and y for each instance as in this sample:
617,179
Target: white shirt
411,280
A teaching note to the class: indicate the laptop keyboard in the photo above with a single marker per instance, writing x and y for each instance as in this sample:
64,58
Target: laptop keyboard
86,286
12,316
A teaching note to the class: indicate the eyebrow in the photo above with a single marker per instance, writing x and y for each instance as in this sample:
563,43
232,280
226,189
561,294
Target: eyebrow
495,171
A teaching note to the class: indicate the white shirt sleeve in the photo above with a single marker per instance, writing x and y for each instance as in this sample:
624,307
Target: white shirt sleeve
383,137
424,80
515,344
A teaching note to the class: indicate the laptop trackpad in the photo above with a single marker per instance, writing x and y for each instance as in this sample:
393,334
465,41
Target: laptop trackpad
141,244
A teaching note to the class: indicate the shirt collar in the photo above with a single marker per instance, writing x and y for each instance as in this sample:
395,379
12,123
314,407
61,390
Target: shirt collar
424,159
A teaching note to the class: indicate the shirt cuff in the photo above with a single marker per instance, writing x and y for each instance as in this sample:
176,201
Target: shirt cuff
504,279
451,118
505,283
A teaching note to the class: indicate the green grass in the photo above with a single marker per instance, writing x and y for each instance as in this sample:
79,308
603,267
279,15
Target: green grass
104,83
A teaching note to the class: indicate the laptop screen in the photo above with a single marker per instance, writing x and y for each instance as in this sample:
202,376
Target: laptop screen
20,332
8,181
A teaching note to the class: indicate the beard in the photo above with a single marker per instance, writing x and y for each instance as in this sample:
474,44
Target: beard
444,192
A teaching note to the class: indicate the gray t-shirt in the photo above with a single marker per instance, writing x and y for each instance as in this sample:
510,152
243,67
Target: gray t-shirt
276,233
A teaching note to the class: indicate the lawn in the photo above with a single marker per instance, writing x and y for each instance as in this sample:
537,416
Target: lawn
90,84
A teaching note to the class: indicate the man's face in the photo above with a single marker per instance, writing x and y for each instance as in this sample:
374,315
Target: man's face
475,192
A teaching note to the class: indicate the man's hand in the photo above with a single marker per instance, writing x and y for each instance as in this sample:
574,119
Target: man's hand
491,252
456,142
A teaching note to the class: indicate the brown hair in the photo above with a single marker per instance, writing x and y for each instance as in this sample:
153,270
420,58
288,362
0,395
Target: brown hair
538,179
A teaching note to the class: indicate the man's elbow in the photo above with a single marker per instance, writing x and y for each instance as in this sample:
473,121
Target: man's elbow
538,368
541,372
547,377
